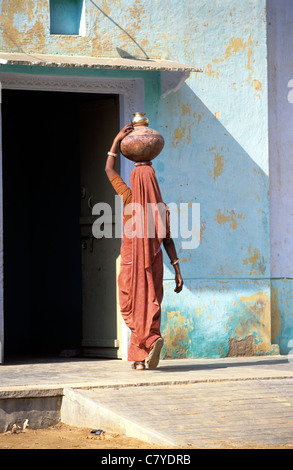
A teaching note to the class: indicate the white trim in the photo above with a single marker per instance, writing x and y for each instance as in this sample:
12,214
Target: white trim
82,25
130,89
172,81
131,95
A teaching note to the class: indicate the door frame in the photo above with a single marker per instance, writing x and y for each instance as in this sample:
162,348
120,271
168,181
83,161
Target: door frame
131,100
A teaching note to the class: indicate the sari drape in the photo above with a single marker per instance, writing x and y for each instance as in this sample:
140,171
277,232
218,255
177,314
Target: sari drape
140,281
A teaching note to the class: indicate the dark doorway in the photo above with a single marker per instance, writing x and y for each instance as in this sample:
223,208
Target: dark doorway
42,236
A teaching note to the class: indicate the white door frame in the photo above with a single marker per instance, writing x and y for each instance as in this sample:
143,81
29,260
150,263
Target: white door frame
131,100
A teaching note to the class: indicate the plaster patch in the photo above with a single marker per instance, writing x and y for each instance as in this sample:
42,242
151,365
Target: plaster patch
218,163
256,321
258,265
218,166
16,19
250,326
235,46
183,131
257,85
179,133
176,336
186,109
210,72
242,347
229,217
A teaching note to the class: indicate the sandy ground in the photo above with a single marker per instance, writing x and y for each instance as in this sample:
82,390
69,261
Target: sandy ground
62,436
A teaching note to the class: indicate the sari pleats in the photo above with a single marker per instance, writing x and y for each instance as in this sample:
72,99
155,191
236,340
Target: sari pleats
140,280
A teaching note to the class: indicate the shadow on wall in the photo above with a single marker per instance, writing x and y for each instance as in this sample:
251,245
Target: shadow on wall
207,165
224,308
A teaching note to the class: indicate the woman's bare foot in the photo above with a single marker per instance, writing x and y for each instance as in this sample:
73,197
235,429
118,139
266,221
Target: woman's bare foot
138,365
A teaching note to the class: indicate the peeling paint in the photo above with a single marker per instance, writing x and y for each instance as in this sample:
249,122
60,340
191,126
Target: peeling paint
229,217
257,85
242,347
235,46
221,163
183,132
257,262
176,338
208,70
228,318
218,165
254,323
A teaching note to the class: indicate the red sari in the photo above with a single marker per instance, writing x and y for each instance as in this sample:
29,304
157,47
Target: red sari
140,279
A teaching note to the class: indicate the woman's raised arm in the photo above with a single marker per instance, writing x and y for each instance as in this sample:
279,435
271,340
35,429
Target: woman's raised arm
114,150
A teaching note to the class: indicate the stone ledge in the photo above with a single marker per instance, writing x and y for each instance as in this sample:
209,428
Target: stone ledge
29,392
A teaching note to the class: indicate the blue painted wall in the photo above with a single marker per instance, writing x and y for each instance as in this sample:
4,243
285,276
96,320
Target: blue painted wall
216,151
216,132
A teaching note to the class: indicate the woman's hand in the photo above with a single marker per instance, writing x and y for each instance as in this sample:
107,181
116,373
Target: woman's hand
110,163
171,252
179,283
124,132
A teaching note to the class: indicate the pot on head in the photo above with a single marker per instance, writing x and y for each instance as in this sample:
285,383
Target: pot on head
143,143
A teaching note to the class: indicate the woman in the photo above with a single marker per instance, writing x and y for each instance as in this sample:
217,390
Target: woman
140,279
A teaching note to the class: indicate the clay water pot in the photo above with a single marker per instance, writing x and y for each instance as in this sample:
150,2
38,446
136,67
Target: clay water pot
143,143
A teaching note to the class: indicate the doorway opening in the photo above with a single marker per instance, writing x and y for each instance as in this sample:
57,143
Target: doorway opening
59,283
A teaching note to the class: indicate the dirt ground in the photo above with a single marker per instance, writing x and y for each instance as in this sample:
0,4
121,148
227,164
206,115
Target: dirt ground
62,436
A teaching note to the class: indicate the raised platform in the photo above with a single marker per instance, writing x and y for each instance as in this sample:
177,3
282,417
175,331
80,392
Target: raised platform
187,402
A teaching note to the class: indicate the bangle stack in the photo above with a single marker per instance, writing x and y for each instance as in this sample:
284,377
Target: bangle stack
175,262
112,154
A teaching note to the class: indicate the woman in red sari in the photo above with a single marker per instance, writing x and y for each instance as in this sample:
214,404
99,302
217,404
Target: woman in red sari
140,279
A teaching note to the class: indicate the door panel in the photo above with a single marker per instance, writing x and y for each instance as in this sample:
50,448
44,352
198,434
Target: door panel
99,123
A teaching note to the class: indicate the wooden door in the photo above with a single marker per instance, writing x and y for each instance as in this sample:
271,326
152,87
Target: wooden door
99,123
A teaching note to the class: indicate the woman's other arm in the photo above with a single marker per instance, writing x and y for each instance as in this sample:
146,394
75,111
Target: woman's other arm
171,252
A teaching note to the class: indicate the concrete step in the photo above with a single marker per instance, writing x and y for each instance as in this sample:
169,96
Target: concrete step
190,402
201,415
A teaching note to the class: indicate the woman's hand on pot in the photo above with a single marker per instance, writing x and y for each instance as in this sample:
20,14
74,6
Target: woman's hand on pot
124,132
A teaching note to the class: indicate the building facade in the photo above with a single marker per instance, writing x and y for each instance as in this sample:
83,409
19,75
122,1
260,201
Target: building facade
212,77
